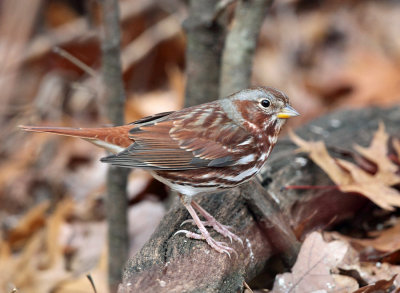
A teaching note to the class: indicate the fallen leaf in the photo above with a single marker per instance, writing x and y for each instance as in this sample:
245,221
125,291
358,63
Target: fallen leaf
312,270
351,178
387,240
53,248
320,156
373,273
380,286
28,225
42,264
382,82
371,186
377,152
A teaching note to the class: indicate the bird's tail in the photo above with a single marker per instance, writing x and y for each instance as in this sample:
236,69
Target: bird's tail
114,139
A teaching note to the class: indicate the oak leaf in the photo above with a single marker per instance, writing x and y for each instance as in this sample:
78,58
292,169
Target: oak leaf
312,270
351,178
377,153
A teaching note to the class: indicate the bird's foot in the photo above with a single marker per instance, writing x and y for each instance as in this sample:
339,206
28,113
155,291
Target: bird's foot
217,226
221,247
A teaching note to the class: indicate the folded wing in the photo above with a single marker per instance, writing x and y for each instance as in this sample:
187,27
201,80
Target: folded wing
184,140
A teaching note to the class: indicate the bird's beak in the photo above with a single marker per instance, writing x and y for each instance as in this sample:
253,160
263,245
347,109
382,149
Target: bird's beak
287,112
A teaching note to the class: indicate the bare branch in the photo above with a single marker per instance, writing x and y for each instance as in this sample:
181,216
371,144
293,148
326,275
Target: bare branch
163,30
117,203
240,45
78,63
77,30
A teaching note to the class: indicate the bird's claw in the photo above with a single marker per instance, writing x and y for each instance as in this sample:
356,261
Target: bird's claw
190,221
205,223
221,247
217,226
189,234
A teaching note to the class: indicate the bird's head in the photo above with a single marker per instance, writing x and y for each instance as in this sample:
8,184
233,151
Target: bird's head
259,109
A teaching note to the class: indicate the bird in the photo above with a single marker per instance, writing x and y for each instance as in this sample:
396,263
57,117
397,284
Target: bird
197,150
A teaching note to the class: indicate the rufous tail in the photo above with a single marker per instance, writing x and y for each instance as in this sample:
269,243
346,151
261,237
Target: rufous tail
114,139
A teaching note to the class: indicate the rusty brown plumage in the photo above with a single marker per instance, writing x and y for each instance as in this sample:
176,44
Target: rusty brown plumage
200,149
114,139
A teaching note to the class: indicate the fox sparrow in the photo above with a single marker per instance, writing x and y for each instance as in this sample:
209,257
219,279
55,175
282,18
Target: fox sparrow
201,149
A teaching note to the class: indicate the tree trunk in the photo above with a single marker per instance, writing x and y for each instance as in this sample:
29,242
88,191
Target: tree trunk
205,41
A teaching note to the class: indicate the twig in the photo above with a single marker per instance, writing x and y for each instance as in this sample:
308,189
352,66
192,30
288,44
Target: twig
149,39
311,187
117,203
78,30
247,287
78,63
91,283
142,46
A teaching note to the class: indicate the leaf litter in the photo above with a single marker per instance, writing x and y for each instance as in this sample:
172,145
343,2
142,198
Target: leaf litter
320,266
336,266
312,270
49,251
349,177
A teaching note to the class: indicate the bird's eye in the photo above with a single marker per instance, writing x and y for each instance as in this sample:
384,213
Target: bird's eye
265,103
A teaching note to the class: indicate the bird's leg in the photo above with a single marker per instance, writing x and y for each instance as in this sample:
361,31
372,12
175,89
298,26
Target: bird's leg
204,234
212,222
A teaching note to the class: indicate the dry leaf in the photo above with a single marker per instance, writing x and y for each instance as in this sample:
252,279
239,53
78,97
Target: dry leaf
54,222
372,273
379,87
380,286
312,270
371,186
351,178
28,225
387,240
319,154
40,266
377,152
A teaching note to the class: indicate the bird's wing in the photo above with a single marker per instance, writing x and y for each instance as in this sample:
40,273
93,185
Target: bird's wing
187,139
151,119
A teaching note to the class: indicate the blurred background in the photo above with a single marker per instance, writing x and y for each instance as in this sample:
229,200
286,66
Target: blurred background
325,54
